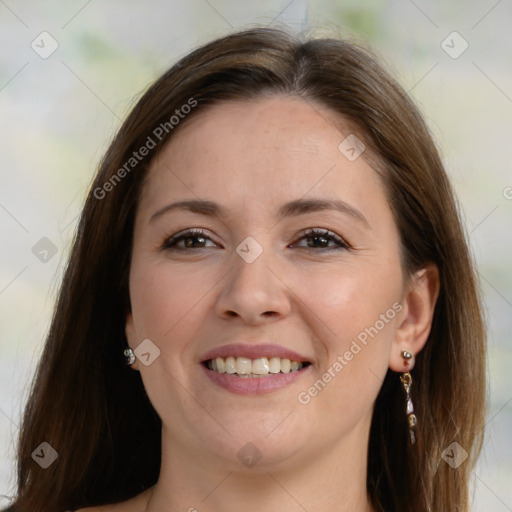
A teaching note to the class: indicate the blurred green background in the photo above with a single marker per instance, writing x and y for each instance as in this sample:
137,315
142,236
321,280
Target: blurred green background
58,114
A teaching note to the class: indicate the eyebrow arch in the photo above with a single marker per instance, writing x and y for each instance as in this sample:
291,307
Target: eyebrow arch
290,209
302,206
194,205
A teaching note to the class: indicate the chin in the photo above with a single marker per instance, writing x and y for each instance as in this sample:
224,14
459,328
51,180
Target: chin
260,439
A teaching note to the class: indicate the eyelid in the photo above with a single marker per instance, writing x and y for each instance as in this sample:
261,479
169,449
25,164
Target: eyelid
185,233
343,244
170,242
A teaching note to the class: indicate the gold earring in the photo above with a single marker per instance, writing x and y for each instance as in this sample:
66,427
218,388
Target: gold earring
409,409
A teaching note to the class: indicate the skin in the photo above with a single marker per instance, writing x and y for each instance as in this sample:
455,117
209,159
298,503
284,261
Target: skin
251,157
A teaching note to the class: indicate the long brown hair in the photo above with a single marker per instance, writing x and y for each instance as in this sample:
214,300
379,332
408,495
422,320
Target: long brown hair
93,409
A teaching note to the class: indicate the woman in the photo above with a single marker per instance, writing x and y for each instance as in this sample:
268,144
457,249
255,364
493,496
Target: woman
270,303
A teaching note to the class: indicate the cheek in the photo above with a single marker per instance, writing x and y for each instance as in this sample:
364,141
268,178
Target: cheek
355,313
349,377
168,308
165,300
349,298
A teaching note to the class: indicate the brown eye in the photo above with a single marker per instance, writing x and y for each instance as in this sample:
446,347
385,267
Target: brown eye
321,238
190,239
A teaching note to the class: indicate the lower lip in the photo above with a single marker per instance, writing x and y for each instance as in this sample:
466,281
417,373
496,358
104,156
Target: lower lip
254,385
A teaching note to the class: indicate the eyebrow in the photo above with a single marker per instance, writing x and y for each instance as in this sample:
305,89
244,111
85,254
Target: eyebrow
290,209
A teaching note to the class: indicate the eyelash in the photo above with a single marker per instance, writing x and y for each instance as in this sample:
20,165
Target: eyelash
171,242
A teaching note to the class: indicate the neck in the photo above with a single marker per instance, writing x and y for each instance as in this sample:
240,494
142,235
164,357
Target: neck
333,480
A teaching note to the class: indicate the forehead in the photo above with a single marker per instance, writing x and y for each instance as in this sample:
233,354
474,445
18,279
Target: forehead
280,124
260,152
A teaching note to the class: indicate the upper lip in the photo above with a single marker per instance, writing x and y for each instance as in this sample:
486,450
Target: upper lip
253,352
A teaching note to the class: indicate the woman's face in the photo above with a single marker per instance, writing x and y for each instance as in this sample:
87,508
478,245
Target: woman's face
257,288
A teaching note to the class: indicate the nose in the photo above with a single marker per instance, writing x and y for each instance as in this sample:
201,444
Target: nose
254,292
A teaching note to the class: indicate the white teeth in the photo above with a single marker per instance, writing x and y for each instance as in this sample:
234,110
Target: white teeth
286,365
260,366
275,365
245,367
230,365
221,365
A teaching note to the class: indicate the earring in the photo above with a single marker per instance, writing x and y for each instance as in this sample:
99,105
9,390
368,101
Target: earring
129,356
407,383
407,357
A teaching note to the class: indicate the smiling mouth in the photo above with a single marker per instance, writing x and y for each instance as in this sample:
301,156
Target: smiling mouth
249,368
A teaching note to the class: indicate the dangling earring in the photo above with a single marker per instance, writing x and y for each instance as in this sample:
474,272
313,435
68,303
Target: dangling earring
407,383
129,356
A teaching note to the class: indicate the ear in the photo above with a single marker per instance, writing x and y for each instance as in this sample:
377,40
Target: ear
131,337
415,319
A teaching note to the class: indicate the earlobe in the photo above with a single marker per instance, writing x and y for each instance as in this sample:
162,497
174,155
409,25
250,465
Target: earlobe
416,318
408,360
